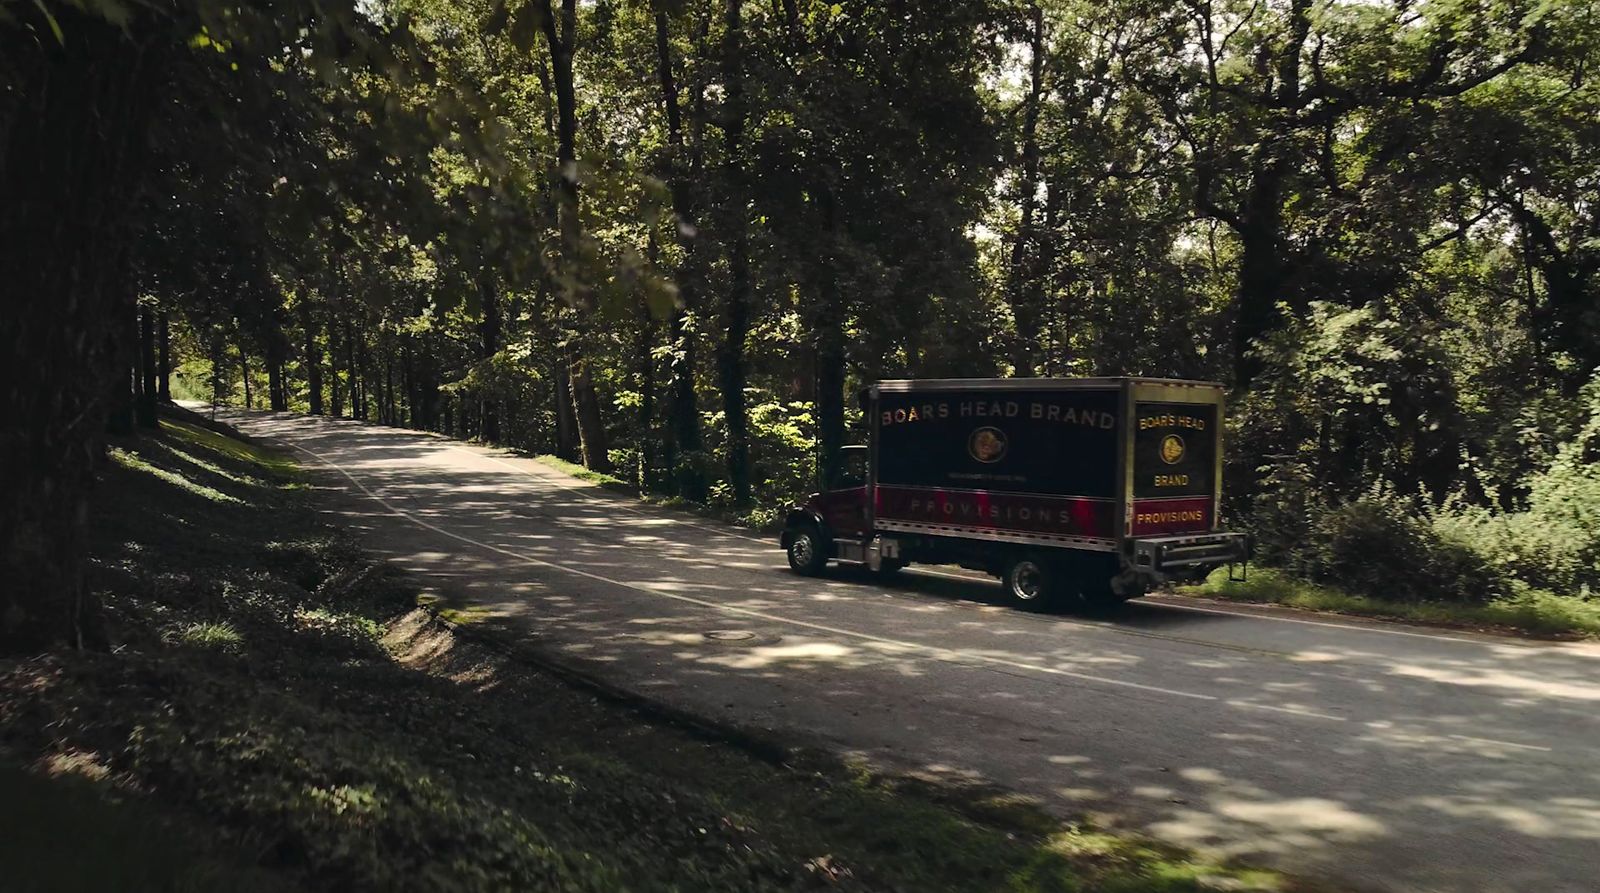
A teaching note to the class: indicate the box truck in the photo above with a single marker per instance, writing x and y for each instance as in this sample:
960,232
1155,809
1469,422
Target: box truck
1095,489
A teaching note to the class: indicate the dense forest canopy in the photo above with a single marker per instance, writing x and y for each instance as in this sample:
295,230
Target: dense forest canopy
669,239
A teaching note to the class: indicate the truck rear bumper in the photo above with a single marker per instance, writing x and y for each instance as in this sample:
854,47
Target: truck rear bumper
1172,554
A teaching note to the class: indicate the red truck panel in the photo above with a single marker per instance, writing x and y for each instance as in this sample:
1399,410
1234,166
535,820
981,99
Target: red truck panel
1025,513
1191,514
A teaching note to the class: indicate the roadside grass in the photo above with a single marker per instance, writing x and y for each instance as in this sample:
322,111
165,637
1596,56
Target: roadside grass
1532,611
242,453
607,481
276,713
761,520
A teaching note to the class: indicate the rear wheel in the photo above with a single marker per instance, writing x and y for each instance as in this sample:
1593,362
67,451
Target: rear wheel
1029,581
1094,587
1098,596
807,553
890,566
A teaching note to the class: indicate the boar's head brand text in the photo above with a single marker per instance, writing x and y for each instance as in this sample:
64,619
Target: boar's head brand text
1000,409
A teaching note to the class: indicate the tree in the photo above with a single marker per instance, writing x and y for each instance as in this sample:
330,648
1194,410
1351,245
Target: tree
684,171
80,120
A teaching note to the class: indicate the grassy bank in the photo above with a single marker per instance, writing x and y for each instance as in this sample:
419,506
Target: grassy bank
761,519
277,713
1534,612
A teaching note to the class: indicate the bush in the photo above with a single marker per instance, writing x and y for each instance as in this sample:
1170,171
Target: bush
1379,546
1531,546
1280,515
1554,542
1386,547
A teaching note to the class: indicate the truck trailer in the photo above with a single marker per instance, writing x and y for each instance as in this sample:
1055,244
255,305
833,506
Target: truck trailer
1094,489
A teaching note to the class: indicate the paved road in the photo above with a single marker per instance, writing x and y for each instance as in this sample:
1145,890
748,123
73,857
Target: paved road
1384,757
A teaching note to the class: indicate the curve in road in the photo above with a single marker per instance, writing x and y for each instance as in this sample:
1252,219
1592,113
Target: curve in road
1382,756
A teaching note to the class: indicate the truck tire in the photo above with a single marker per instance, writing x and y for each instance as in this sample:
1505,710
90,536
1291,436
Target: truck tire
1098,597
1029,581
890,567
807,553
1094,586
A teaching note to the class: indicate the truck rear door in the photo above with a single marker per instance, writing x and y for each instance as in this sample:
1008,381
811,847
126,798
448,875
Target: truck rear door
1176,452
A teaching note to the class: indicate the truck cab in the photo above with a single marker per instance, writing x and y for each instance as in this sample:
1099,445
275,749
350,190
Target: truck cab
842,503
1089,489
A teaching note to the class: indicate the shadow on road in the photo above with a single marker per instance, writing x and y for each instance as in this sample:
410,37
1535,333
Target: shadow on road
1408,762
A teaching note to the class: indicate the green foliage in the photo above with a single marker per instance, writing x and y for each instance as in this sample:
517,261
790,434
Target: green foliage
1416,550
215,636
1553,542
605,480
1375,220
1529,610
782,447
1376,546
135,462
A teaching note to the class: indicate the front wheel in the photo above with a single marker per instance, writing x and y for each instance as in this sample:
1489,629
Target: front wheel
1029,581
807,555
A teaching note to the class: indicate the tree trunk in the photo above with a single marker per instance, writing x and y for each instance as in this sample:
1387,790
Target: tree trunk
1022,270
122,357
566,424
221,378
408,387
1059,356
1262,272
364,363
352,377
313,358
165,370
1570,316
244,373
1263,267
388,390
489,345
736,312
644,364
335,390
147,369
277,388
586,410
683,444
122,399
828,319
562,36
829,380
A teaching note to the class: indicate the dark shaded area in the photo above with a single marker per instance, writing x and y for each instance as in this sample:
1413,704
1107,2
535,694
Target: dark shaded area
273,686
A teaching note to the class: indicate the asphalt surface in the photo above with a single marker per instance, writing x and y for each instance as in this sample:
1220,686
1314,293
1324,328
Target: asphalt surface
1373,755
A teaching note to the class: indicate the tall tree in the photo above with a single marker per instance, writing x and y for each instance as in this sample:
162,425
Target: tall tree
1023,270
683,173
735,222
561,35
72,162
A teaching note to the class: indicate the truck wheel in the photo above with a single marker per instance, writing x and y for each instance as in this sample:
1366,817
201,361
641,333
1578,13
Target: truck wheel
807,554
1094,586
1099,598
1029,581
